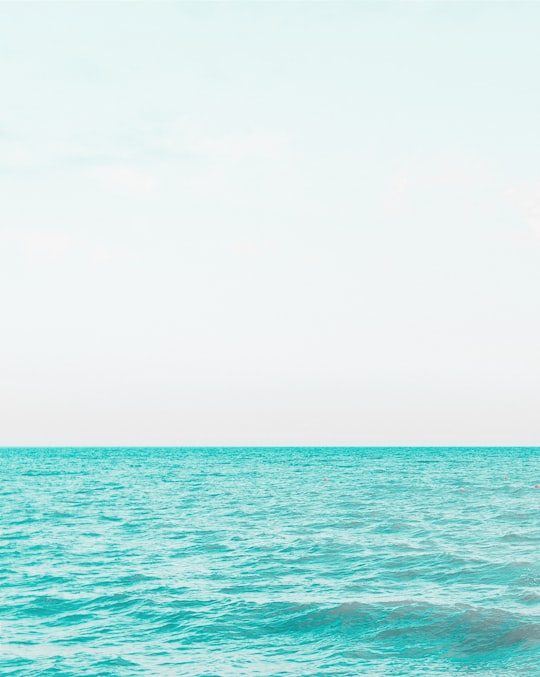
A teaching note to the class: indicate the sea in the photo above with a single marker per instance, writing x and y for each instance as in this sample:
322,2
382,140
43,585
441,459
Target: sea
270,561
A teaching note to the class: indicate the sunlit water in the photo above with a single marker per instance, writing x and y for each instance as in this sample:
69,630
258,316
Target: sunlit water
375,562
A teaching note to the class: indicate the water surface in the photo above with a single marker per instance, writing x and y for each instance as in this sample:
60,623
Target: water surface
328,561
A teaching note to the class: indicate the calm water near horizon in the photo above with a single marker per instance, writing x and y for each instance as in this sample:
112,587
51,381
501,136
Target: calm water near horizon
270,561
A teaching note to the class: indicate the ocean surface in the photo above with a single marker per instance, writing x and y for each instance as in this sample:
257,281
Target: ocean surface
252,561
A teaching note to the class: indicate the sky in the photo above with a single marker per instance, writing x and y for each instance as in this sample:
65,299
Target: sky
269,223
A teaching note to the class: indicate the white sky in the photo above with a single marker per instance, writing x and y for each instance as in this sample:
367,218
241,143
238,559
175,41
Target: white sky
269,223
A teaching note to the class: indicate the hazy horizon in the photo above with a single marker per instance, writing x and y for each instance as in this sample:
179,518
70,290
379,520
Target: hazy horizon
274,224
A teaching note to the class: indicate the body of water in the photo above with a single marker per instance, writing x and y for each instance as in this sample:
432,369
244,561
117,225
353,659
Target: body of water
252,561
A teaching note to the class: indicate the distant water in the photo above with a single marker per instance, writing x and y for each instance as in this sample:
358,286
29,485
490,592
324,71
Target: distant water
131,562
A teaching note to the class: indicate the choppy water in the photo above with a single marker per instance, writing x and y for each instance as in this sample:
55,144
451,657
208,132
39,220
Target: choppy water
247,562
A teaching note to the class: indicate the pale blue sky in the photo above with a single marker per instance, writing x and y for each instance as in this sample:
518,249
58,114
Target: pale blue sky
269,223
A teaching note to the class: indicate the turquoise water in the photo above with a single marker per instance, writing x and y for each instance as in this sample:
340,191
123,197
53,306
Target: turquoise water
270,562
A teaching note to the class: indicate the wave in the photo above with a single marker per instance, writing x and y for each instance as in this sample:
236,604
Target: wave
395,627
457,630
